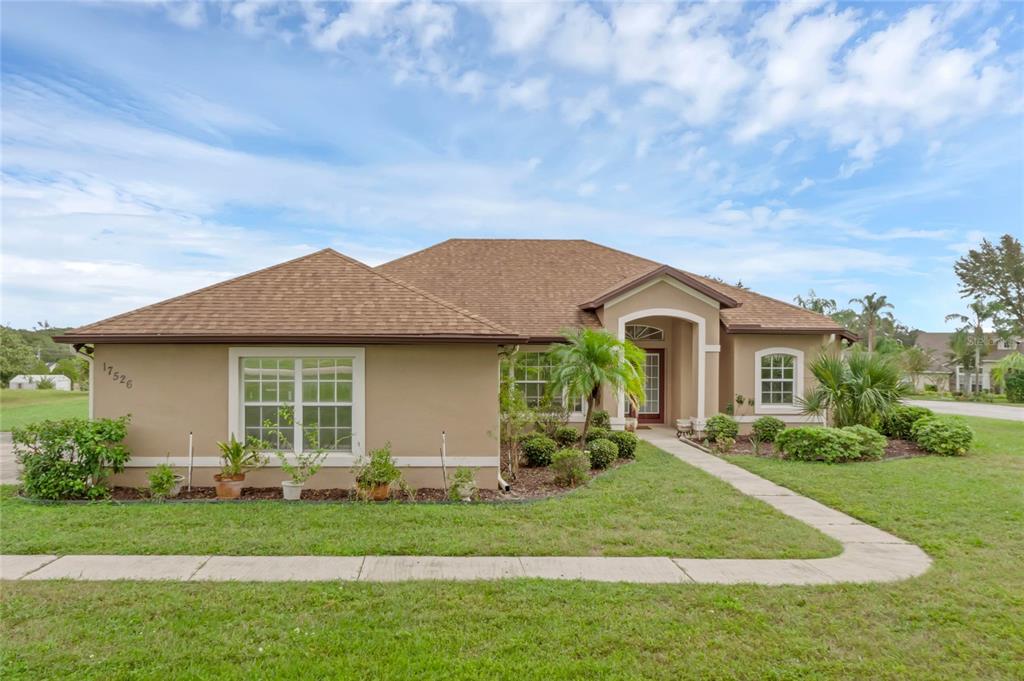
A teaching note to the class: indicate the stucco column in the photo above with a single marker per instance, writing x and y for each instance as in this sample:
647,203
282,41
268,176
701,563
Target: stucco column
712,354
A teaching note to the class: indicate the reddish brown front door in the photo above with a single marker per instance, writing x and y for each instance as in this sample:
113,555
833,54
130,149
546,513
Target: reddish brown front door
653,408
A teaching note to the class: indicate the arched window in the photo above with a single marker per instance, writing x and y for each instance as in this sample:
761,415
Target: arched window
637,332
778,379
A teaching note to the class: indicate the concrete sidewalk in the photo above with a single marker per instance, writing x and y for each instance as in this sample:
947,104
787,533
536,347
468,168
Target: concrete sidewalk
869,554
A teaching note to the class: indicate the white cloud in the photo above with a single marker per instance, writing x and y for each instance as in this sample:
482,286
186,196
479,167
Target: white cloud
580,110
185,14
520,26
805,184
582,40
530,94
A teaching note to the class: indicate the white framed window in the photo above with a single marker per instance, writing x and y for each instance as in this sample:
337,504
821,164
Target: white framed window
778,380
298,398
638,332
532,372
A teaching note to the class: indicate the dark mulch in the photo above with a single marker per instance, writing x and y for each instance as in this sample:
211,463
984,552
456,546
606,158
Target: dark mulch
531,483
897,449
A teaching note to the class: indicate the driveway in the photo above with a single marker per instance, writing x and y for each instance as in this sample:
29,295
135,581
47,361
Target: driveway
990,411
8,466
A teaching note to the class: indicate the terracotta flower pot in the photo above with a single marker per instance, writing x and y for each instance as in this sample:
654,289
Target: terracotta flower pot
230,486
380,492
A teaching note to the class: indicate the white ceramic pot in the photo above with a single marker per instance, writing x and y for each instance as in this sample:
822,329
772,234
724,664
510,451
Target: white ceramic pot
631,423
176,489
292,490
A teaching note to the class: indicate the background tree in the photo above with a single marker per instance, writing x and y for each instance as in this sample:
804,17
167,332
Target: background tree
873,308
996,273
16,356
974,330
816,303
591,359
916,360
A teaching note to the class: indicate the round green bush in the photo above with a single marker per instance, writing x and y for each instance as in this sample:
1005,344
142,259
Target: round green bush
598,434
900,419
626,441
767,428
566,436
602,453
832,445
872,443
600,419
721,425
571,466
538,449
1014,381
945,436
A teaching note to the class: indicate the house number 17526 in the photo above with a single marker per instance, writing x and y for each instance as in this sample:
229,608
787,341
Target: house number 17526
117,376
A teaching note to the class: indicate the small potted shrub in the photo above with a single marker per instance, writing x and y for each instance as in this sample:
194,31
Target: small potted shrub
164,482
306,466
237,458
376,473
463,485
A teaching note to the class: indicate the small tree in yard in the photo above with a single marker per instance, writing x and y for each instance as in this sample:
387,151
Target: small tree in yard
858,389
916,360
591,359
515,415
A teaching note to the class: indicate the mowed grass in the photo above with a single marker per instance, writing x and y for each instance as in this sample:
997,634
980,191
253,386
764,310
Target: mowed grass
963,619
654,506
19,408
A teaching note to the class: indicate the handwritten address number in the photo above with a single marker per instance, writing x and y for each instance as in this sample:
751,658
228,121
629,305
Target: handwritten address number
117,376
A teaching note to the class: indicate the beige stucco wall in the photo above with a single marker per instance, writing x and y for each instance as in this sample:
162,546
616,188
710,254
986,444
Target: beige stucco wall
413,392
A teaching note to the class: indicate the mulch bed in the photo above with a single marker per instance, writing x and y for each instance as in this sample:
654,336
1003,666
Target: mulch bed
530,484
896,449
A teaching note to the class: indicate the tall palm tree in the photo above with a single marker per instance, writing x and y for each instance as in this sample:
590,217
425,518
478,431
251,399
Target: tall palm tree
981,312
590,359
872,310
816,303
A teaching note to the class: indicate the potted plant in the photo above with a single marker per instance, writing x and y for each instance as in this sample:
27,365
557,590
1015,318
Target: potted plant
463,485
375,474
306,466
237,458
164,482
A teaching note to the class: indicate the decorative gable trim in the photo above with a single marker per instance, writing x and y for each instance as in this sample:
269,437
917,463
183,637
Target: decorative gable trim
670,275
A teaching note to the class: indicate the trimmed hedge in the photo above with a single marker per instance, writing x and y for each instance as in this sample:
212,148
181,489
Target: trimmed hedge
767,428
600,419
945,436
626,441
872,443
566,436
602,453
1014,386
832,445
598,434
538,449
571,466
898,422
721,425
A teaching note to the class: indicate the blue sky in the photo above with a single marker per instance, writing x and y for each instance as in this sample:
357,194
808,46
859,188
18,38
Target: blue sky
152,148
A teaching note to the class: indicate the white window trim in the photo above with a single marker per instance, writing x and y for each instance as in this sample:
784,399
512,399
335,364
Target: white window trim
798,382
660,330
358,355
574,416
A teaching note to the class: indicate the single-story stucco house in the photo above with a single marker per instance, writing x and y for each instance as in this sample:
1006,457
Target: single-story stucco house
946,374
32,381
401,352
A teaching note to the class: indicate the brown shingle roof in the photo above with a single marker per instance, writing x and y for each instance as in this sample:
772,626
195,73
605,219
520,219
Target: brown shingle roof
537,286
321,297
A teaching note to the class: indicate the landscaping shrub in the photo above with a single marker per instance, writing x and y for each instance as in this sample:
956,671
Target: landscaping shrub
161,481
832,445
566,436
946,436
721,425
1014,386
72,458
538,449
901,418
45,384
872,443
767,428
598,434
602,453
463,487
723,444
600,419
626,441
571,466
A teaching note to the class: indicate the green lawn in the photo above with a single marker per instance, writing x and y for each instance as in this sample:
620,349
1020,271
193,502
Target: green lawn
963,619
21,407
654,506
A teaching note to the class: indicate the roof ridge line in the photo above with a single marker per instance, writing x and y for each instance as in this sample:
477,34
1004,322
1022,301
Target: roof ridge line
426,294
198,290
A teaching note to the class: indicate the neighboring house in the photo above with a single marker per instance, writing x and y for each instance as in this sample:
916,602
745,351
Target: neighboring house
31,381
946,375
399,353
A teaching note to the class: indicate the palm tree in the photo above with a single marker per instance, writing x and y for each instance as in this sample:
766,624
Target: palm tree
859,388
590,359
816,303
872,306
982,312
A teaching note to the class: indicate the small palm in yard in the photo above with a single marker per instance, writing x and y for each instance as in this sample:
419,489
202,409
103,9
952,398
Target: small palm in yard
590,359
858,389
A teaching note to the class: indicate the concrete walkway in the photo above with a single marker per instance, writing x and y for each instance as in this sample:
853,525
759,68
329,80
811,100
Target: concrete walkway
9,469
989,411
869,554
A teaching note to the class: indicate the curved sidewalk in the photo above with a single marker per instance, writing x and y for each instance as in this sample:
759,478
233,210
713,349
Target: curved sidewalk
869,554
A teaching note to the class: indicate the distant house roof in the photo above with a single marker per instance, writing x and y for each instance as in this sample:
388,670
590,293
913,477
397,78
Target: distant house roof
541,286
938,343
